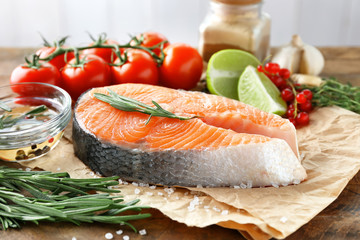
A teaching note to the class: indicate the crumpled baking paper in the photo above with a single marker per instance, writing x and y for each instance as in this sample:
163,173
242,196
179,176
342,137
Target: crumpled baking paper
329,145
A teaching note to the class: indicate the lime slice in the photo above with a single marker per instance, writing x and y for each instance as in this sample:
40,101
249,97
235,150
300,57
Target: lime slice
224,69
257,90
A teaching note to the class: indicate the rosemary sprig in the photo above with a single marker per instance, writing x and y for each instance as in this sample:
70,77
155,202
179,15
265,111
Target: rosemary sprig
331,92
33,196
131,105
9,121
5,107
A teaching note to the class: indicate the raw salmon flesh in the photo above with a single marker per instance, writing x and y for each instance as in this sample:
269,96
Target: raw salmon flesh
230,144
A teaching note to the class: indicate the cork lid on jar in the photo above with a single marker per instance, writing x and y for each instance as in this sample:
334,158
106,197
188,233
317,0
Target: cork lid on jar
238,2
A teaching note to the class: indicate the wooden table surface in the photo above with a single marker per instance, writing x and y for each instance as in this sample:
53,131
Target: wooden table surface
340,220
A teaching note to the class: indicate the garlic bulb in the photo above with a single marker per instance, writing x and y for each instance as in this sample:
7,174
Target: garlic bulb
299,57
305,79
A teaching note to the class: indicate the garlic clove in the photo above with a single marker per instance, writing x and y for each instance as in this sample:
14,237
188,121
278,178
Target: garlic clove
312,61
305,79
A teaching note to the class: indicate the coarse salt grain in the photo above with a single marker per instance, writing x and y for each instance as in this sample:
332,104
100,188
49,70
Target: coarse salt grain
109,236
169,191
137,191
275,185
216,209
206,207
149,193
119,232
225,212
73,238
28,169
236,187
160,193
143,184
177,198
152,187
142,232
126,237
296,181
58,169
135,184
242,185
283,219
199,186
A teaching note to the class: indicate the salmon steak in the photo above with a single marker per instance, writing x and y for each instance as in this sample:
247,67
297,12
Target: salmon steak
229,144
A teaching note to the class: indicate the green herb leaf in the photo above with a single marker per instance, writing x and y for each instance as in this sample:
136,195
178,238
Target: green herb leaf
334,93
5,107
131,105
56,197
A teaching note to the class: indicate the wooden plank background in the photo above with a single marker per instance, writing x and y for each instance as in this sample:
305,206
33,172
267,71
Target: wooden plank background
319,22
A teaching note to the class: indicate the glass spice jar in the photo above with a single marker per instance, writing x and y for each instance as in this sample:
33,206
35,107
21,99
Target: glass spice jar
235,24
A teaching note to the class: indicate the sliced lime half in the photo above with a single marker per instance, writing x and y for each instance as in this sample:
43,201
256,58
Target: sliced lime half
224,69
257,90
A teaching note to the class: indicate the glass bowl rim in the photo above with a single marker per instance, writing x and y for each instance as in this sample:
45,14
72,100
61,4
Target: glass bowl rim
48,124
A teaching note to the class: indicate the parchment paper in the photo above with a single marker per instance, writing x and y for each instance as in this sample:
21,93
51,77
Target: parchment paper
330,147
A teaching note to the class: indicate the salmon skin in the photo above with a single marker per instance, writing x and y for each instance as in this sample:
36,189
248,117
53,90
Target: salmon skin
231,144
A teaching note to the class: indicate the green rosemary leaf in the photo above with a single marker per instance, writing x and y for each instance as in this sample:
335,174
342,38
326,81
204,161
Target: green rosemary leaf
40,209
57,197
5,107
37,110
131,105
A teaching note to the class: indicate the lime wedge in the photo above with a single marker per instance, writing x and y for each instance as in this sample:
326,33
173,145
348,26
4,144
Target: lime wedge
224,69
257,90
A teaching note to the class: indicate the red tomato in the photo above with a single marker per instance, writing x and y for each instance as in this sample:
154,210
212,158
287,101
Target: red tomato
139,68
94,73
46,73
58,61
151,39
105,53
182,67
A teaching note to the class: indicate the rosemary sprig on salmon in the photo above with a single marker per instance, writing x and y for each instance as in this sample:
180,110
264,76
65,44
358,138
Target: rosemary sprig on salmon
131,105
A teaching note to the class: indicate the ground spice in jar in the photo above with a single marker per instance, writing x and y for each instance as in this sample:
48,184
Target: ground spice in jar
235,24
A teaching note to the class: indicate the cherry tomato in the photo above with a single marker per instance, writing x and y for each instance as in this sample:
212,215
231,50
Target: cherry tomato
94,73
151,39
105,53
59,61
139,68
182,67
46,73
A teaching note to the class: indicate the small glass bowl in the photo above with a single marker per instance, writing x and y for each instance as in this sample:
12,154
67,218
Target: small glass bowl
33,135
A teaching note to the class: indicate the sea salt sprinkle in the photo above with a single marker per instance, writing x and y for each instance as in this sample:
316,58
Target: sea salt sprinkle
73,238
225,212
283,219
135,184
137,191
152,187
126,237
109,236
142,232
149,193
169,191
193,204
216,209
119,232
